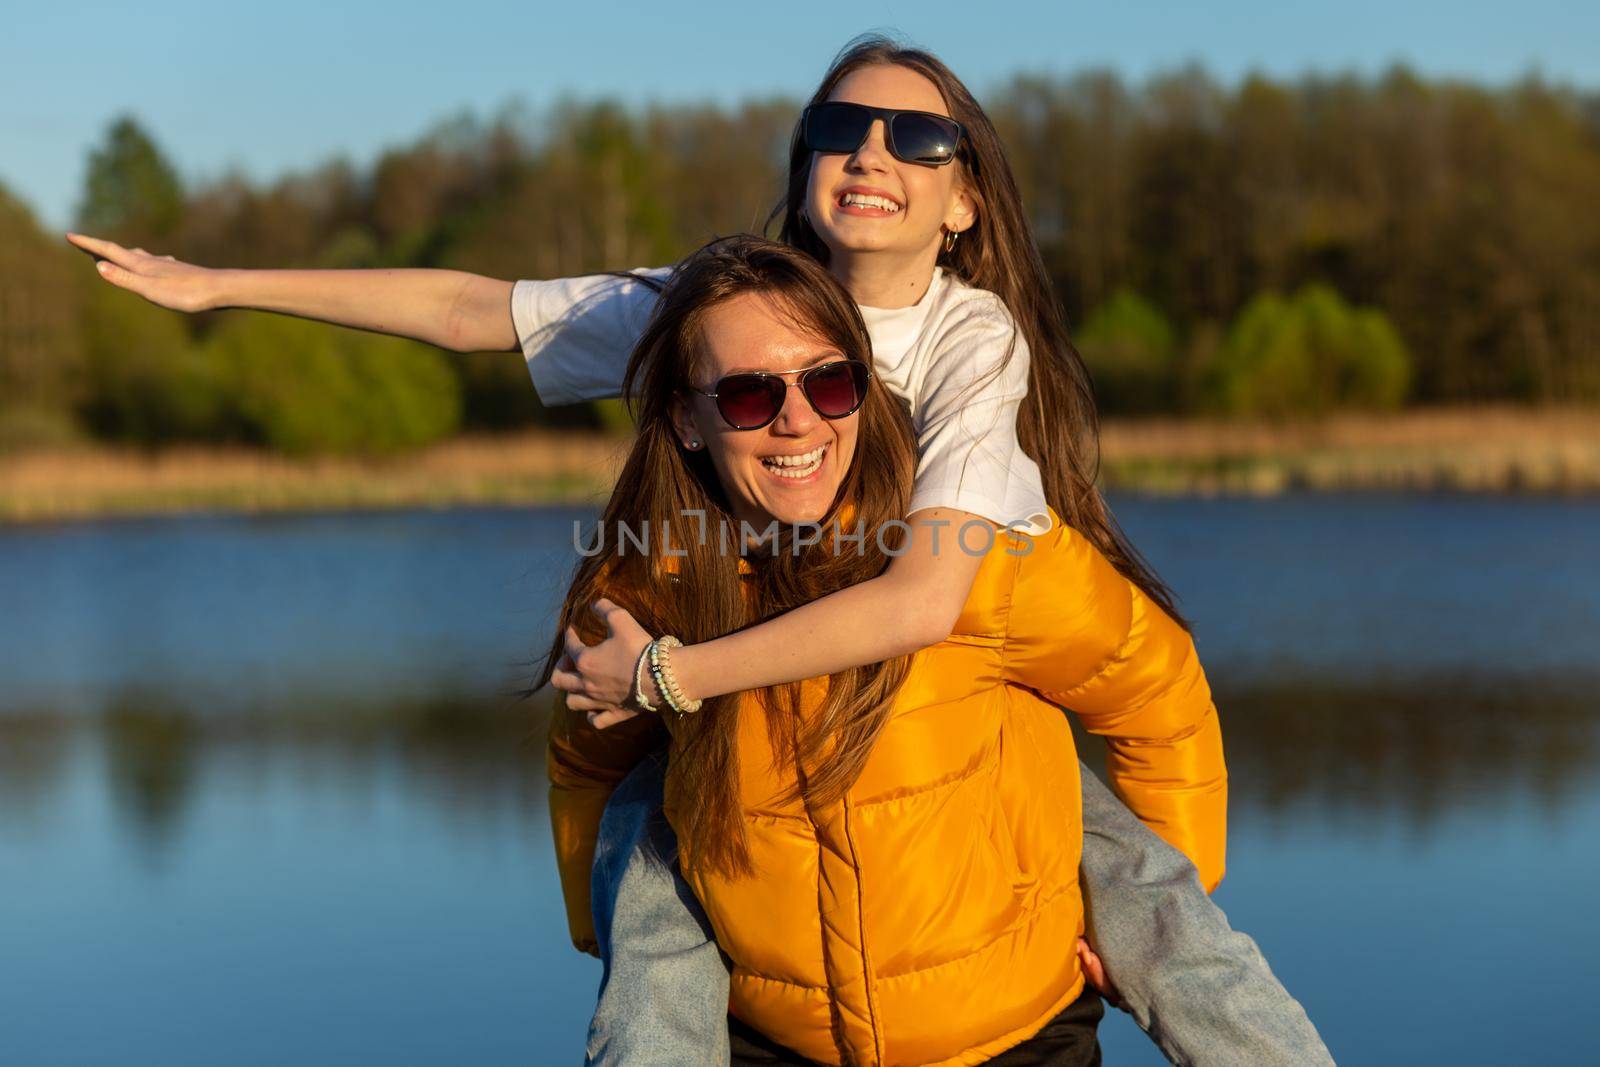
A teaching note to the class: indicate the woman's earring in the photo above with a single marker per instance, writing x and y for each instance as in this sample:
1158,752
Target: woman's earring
950,240
692,444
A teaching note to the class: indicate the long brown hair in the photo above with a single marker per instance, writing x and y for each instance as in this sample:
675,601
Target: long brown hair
1059,425
704,596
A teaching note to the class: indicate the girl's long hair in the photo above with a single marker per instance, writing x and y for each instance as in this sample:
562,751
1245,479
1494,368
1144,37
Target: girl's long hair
701,594
1058,426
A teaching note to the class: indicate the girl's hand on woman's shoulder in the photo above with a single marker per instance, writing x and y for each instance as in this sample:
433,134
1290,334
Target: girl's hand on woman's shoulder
599,679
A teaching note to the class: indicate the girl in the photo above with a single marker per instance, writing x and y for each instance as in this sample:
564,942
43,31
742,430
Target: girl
898,184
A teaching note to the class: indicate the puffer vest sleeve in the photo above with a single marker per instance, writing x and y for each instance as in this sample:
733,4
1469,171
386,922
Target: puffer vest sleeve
586,765
1088,639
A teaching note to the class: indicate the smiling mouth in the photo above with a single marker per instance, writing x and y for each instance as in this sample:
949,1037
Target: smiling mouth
868,202
796,467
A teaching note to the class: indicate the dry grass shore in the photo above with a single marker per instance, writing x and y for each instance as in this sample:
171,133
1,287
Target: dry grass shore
523,469
1479,450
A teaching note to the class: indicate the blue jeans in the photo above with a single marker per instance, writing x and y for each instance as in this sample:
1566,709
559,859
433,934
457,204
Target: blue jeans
1199,988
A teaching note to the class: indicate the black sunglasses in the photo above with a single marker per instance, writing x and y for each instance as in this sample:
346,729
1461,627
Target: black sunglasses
912,136
752,399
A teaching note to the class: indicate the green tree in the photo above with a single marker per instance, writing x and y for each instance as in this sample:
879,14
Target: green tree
302,387
42,373
1131,351
150,384
131,192
1376,370
1264,367
1306,356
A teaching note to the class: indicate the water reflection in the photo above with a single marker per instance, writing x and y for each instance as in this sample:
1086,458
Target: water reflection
1420,751
468,759
151,766
34,750
1424,750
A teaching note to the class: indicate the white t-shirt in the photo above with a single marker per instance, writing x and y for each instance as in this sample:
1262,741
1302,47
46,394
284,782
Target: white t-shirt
939,355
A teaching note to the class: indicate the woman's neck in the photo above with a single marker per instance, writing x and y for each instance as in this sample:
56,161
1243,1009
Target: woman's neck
884,279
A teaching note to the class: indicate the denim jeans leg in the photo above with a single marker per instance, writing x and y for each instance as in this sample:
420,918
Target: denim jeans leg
664,987
1199,988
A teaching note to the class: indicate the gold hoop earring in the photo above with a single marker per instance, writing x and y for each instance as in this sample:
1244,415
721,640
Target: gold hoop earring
950,240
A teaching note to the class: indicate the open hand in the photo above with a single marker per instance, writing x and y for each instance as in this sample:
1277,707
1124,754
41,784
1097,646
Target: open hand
162,280
599,679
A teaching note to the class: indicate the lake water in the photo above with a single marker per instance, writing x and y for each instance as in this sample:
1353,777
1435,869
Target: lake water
267,794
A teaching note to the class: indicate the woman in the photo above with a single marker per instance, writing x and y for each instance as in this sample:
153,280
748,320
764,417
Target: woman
888,855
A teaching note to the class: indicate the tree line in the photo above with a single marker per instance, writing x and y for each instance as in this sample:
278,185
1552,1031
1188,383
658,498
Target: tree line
1270,249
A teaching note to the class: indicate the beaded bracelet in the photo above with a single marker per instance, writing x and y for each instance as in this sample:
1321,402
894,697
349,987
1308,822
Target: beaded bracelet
661,669
638,681
656,673
666,681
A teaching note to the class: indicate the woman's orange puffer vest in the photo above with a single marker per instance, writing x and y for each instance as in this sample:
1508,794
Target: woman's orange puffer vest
931,916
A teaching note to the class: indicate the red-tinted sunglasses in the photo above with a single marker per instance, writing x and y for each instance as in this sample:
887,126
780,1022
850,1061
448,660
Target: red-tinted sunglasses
750,400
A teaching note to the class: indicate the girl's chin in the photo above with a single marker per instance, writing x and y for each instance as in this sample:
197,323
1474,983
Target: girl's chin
865,240
854,230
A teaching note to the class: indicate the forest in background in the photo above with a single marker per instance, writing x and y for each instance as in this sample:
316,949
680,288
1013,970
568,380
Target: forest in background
1271,249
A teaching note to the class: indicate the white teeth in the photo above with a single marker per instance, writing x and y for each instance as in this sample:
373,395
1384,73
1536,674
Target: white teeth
882,203
802,466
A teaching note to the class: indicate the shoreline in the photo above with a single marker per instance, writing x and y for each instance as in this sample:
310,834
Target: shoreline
1498,450
1488,450
95,483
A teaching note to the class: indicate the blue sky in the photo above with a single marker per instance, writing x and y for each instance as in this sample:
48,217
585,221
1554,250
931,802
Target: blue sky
280,86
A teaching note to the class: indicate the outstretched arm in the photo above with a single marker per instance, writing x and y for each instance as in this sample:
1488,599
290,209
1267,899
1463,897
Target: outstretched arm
452,309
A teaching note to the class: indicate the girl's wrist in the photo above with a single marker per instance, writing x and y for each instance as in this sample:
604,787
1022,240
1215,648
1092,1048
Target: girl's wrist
666,678
685,663
646,693
221,290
